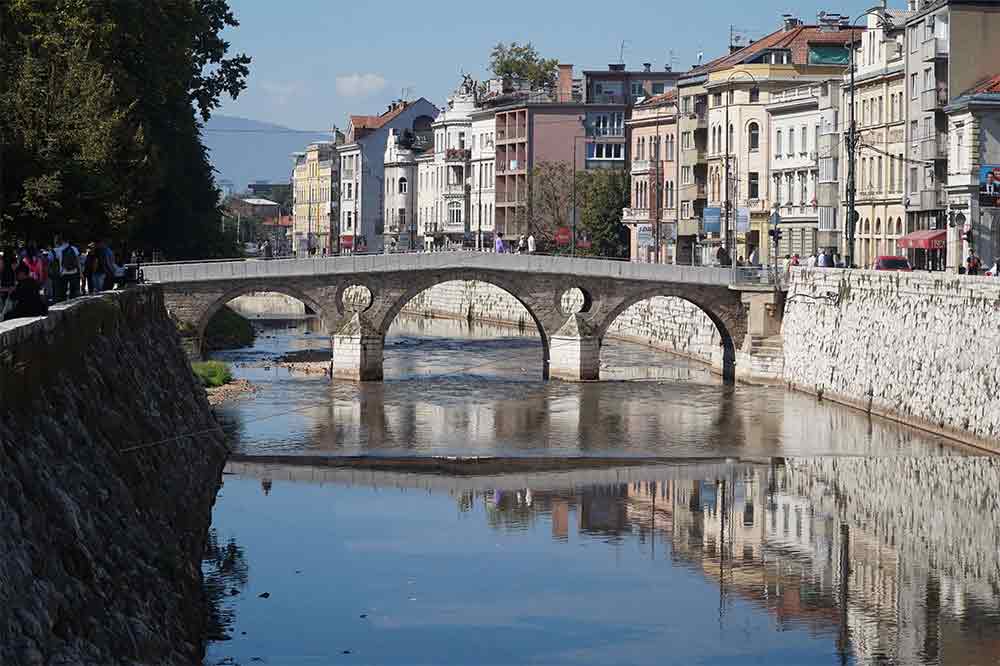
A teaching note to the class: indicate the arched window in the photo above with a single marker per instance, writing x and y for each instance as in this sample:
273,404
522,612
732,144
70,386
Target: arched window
455,213
402,186
899,226
878,226
753,136
777,144
731,144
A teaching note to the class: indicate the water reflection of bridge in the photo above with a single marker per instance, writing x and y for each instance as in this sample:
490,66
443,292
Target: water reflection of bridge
895,559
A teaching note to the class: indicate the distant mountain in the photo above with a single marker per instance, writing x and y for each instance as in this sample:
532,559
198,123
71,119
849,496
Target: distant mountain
244,150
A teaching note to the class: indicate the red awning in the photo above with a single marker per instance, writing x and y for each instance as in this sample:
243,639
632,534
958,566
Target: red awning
925,239
347,241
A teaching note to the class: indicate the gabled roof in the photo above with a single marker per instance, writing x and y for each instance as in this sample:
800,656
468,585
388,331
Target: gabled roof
376,122
667,96
796,40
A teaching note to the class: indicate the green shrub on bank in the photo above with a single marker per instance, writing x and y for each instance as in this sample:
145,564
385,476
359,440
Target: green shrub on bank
212,373
228,330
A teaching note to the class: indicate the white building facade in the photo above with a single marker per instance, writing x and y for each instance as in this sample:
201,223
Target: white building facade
794,119
974,175
362,190
400,197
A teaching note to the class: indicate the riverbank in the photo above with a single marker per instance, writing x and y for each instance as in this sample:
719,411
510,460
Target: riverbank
110,459
915,348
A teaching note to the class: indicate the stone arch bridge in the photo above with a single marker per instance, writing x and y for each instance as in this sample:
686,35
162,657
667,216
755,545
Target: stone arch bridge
358,297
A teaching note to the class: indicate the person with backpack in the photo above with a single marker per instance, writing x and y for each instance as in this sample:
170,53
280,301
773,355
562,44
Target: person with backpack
67,262
26,299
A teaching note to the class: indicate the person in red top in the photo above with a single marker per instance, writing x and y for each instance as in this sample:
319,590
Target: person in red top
35,264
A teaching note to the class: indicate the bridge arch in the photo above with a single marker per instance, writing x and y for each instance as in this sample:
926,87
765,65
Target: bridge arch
727,324
213,306
531,304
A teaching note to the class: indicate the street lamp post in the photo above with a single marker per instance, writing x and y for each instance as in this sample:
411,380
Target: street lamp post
852,139
731,233
572,166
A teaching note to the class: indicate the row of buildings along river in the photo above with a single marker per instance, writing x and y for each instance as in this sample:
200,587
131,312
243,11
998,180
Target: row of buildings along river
925,98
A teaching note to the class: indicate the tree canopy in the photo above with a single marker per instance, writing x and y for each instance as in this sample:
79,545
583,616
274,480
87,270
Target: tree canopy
522,61
100,131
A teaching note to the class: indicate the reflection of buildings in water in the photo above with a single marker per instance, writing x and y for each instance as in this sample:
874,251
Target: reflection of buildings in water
874,552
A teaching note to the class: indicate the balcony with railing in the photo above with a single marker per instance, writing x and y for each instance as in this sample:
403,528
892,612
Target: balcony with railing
934,147
934,48
458,155
347,174
455,190
933,99
635,215
605,132
641,166
796,93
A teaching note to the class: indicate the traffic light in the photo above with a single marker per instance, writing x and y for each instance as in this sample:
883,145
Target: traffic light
967,236
775,234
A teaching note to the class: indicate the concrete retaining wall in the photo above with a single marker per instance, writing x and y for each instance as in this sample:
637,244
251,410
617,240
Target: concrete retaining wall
922,348
668,324
101,546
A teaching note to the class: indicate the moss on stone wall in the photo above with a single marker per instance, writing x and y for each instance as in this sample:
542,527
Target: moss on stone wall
228,330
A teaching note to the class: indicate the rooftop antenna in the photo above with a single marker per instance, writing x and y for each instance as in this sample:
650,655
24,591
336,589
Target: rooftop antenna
621,52
405,93
673,60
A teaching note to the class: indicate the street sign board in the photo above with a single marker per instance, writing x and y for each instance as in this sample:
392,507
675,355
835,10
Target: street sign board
644,235
742,220
712,220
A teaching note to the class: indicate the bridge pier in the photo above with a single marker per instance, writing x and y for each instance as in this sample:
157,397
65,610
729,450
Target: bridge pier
575,352
357,351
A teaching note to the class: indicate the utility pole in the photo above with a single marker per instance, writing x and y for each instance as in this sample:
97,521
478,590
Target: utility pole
884,23
851,183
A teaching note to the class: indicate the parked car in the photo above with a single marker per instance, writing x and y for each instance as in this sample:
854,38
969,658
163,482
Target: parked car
888,263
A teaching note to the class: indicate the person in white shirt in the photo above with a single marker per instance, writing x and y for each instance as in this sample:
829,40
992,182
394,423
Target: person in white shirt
531,244
811,261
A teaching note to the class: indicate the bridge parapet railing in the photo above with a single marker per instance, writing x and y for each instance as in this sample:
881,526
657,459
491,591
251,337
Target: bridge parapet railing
590,267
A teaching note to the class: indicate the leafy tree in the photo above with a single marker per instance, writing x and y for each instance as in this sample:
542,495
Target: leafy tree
607,193
551,200
102,136
522,61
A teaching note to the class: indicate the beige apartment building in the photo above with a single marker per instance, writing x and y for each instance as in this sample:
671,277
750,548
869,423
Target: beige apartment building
881,158
692,189
315,179
740,86
655,169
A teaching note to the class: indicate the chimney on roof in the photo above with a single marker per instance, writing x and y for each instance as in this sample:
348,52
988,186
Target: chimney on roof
565,83
668,67
790,22
617,67
647,67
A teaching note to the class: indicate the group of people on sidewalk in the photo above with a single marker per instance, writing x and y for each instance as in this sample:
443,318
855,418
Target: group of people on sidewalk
524,245
32,278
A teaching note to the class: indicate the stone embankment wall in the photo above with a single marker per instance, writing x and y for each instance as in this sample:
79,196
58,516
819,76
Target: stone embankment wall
921,348
100,545
668,324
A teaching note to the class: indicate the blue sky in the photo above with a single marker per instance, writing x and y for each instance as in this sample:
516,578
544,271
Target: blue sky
316,61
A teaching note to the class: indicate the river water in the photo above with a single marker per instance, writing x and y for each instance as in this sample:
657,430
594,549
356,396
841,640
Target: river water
771,528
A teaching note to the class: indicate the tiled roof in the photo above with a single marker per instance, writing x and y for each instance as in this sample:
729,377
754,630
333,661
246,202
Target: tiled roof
986,86
376,122
657,99
797,40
